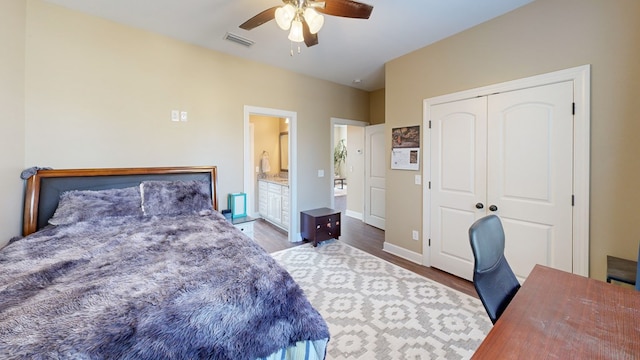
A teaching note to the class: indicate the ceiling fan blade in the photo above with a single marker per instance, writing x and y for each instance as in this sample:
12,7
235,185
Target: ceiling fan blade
260,19
309,38
346,8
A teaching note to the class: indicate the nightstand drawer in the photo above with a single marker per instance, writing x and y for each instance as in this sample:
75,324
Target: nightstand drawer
245,225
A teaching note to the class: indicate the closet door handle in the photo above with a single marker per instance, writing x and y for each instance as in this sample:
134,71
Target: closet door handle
479,205
493,208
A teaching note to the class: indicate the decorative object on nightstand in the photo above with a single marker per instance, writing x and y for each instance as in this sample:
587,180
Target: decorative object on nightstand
237,202
320,224
244,224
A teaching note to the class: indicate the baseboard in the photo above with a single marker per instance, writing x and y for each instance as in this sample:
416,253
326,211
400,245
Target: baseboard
402,252
354,214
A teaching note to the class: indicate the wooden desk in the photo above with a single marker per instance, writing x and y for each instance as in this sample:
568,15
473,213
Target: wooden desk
558,315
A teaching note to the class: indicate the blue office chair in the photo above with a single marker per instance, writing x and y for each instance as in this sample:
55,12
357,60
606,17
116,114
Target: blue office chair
493,278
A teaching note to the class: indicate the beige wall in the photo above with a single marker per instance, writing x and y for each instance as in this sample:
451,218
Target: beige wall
377,107
12,133
544,36
100,94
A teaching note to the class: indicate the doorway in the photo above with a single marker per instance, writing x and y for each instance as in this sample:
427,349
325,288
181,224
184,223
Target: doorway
288,201
347,185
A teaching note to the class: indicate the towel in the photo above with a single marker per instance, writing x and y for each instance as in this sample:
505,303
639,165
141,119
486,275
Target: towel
264,162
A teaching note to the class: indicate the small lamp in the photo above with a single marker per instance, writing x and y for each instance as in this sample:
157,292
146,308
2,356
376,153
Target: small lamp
237,202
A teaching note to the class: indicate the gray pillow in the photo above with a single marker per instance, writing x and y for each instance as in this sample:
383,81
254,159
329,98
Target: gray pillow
81,205
176,198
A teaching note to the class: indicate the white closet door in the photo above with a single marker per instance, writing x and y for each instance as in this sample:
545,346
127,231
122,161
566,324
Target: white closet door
509,154
458,181
530,152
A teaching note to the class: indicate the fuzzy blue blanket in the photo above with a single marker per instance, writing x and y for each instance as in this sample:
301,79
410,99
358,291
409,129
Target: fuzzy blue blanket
138,287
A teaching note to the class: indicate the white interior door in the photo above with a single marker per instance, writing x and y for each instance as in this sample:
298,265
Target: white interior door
530,152
374,195
510,154
458,181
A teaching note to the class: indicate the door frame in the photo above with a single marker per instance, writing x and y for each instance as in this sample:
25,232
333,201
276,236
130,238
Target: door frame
581,77
249,173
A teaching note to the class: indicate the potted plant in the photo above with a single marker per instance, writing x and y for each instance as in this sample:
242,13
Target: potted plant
339,156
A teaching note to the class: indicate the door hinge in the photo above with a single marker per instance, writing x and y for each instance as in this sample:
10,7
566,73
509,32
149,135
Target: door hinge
429,124
573,108
429,184
429,242
573,200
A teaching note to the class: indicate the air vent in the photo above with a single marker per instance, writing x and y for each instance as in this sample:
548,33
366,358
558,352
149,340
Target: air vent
238,39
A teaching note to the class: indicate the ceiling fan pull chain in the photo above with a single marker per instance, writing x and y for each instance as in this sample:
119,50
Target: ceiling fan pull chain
291,49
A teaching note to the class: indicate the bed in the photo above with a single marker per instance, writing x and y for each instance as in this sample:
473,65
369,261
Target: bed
137,263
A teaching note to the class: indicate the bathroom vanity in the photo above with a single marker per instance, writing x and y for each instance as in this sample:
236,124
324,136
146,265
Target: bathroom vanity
273,201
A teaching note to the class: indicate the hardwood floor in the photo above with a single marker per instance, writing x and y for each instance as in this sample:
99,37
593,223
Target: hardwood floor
364,237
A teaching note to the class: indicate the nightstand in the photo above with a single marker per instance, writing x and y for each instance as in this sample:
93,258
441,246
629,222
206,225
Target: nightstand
245,224
319,224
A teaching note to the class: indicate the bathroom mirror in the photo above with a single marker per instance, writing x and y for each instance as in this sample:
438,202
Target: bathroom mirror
284,151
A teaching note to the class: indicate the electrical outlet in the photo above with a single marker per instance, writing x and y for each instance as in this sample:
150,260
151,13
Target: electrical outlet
175,115
320,173
415,235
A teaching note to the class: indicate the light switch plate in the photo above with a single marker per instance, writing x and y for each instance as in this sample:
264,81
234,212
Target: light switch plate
175,115
321,173
183,116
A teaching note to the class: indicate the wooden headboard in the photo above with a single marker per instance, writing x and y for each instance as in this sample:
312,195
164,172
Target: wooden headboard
44,188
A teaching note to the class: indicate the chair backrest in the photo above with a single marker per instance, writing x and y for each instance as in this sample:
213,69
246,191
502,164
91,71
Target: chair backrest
493,278
638,271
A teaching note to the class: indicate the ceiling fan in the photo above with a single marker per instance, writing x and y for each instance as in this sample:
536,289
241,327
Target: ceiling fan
302,17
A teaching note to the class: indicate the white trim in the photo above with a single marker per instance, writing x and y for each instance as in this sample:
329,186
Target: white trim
402,252
294,221
340,121
355,215
581,77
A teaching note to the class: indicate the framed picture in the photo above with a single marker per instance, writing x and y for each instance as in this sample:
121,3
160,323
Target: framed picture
237,203
405,148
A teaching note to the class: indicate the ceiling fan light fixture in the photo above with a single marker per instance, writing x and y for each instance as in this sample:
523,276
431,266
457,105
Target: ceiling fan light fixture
295,34
284,16
303,19
313,19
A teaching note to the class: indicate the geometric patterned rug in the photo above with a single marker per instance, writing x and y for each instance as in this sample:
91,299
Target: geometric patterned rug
378,310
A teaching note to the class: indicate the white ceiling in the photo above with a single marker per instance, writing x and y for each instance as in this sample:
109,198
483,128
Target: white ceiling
348,49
